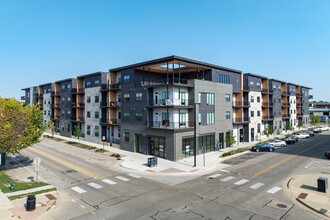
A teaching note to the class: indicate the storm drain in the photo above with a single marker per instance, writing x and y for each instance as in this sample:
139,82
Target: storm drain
279,205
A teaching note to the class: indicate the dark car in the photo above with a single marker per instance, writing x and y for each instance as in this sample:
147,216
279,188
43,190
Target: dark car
289,140
327,154
311,133
263,147
295,137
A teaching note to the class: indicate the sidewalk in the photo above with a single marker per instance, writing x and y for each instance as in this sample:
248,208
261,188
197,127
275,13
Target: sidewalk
22,192
138,161
303,188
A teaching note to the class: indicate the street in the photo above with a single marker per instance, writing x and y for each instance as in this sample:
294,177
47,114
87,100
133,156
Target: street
93,186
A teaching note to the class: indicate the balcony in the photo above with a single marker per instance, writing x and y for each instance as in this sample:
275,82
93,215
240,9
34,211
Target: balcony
113,104
40,96
299,115
161,82
170,125
286,116
268,118
246,88
298,94
55,117
170,103
264,91
23,98
55,105
241,120
284,93
78,91
299,105
81,105
285,104
106,121
240,104
56,94
80,119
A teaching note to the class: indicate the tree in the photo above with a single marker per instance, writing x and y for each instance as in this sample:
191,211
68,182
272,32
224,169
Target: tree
301,123
20,126
288,126
52,127
77,132
230,138
269,130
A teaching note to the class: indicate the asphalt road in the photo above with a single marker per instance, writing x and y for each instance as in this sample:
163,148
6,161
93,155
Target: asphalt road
253,187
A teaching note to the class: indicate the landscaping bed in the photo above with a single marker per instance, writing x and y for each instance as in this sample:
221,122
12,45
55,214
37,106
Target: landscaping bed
233,152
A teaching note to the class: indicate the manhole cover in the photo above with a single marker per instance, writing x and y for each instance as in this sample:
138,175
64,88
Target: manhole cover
282,206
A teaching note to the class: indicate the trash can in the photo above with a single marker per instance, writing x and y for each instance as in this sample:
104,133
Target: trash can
152,162
31,203
322,184
155,162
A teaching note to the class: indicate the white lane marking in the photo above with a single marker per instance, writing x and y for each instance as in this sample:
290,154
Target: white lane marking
241,182
82,206
226,171
308,164
274,190
256,186
78,190
214,176
95,185
134,175
73,200
122,178
227,178
109,182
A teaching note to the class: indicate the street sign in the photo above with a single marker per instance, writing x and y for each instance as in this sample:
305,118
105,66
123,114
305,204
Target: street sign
37,161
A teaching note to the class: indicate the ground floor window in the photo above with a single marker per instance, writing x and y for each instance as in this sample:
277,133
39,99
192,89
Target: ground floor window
207,142
188,147
126,135
139,143
157,146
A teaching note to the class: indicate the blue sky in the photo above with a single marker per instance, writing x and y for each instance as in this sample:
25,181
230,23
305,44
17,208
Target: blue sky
45,41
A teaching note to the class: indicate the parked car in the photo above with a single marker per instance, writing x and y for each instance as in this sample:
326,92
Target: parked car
295,137
317,130
303,135
324,128
278,143
310,133
289,140
263,147
327,154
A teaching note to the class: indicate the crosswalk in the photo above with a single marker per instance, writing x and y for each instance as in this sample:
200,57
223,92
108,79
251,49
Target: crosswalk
97,186
241,182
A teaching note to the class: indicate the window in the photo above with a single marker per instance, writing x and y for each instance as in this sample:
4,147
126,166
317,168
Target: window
158,146
97,99
210,118
138,143
251,84
252,98
138,116
97,114
274,87
227,114
126,79
126,135
138,97
45,102
279,100
119,98
199,118
227,96
187,147
69,112
69,99
97,130
183,96
88,99
97,82
294,111
258,128
199,97
252,134
48,112
126,116
45,91
88,114
63,99
183,118
45,112
88,130
63,86
210,98
126,97
223,78
69,86
88,83
275,125
165,119
258,85
258,113
252,113
258,98
206,143
165,96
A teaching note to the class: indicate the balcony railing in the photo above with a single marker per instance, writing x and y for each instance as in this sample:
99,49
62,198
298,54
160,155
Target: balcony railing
55,93
268,117
264,90
299,105
299,115
239,104
156,82
284,93
285,116
285,104
81,105
110,121
23,98
78,91
241,120
164,124
298,94
170,102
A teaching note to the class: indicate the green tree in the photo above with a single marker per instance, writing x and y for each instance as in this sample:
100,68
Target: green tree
301,123
77,132
269,130
20,126
230,138
288,126
52,127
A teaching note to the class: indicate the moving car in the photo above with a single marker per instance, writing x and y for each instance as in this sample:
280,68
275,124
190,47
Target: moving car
289,140
303,135
263,147
278,143
327,154
310,133
324,128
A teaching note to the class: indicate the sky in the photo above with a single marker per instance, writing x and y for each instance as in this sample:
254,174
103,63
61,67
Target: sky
45,41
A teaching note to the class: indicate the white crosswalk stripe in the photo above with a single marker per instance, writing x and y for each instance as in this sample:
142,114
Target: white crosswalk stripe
274,190
241,182
227,178
134,175
78,190
109,182
95,185
214,176
256,186
122,178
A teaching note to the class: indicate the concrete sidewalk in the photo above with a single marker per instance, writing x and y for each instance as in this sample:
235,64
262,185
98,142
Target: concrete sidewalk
22,192
138,161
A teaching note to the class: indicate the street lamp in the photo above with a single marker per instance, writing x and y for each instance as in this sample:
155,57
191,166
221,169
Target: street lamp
103,139
195,136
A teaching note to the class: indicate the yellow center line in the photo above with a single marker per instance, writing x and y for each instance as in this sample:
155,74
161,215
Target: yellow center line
65,163
289,158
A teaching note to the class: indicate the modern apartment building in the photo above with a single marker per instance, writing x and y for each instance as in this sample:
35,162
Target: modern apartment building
157,107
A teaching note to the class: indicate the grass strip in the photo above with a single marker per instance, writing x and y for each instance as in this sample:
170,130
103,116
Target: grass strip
232,152
54,138
33,193
5,182
84,146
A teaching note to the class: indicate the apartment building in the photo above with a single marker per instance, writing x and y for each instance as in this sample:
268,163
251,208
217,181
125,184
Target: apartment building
159,107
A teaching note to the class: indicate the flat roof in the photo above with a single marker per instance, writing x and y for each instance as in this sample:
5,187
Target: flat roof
91,74
255,75
46,84
306,87
292,84
276,80
174,58
64,80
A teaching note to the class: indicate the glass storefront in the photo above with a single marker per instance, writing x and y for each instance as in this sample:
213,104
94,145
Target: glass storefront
208,142
187,147
139,143
157,146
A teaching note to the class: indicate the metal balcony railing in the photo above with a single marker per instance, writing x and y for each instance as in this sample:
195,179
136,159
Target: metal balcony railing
241,120
170,102
164,124
241,104
165,81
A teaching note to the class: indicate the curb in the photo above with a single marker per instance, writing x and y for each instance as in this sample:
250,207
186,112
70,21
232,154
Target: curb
310,207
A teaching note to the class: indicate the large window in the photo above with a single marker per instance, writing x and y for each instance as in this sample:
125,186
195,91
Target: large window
227,96
126,97
210,118
165,96
138,143
126,79
88,114
227,114
138,97
183,97
88,130
97,131
182,119
252,98
97,99
138,116
165,119
210,98
126,116
157,146
223,78
126,135
187,147
252,114
206,142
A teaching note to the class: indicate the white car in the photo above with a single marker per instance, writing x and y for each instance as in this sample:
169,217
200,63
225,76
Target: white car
303,135
278,143
324,128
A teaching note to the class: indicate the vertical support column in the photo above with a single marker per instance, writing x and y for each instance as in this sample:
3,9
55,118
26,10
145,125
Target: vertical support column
149,76
167,73
143,77
203,75
179,73
173,71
